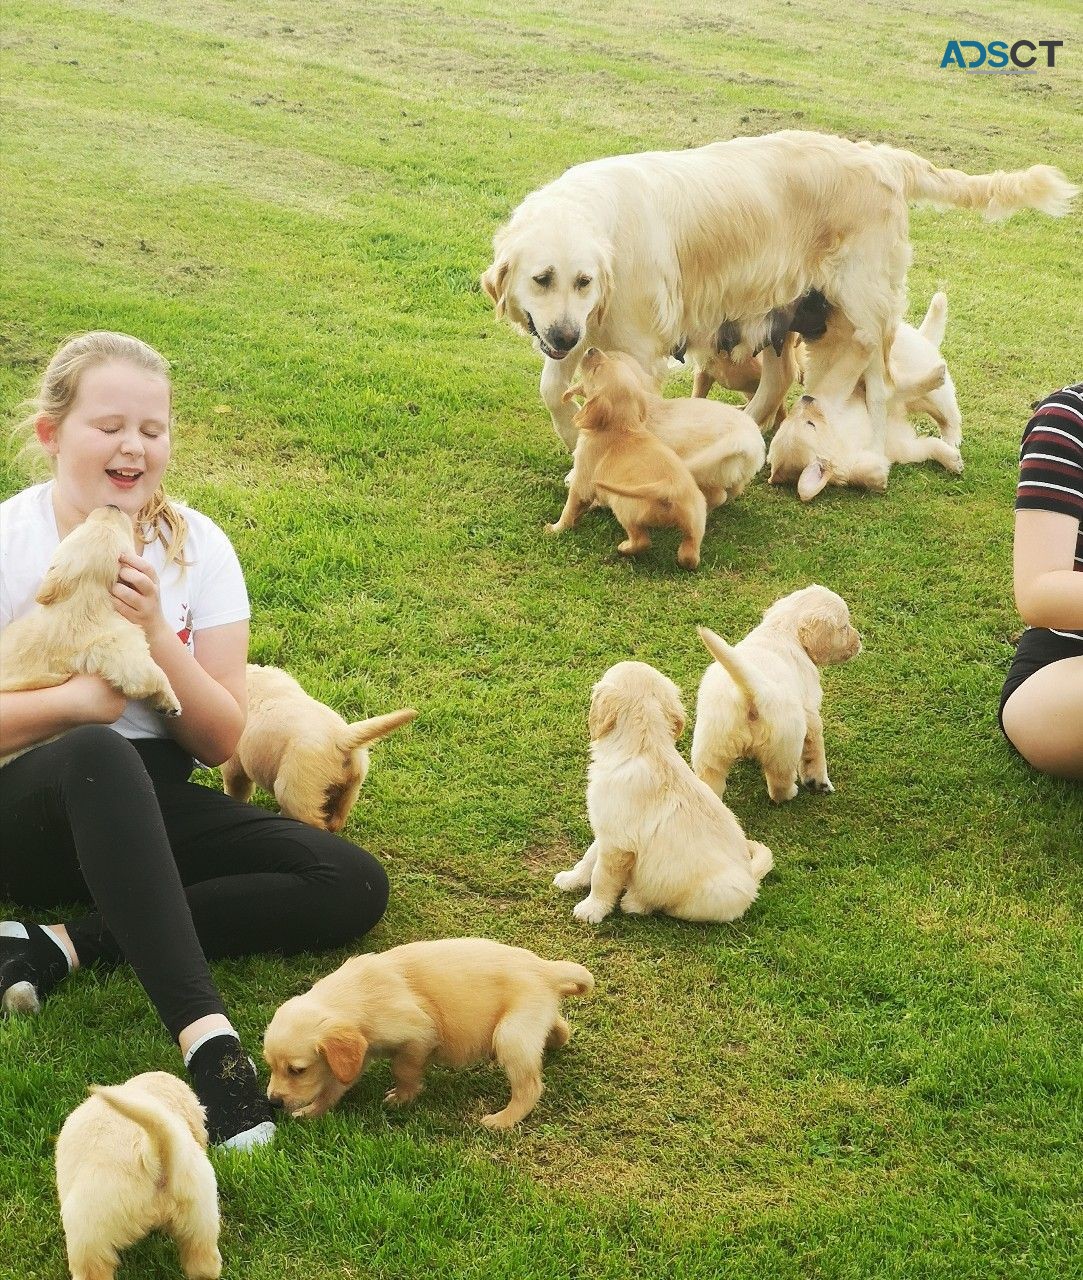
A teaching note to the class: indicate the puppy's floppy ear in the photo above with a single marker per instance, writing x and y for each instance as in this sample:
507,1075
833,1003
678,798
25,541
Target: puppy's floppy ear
604,708
495,283
673,712
344,1048
814,479
818,634
572,392
58,584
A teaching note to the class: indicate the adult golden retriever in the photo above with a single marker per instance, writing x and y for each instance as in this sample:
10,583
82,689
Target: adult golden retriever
643,253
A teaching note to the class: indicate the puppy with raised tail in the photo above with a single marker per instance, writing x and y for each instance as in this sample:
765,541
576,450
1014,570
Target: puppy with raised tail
74,630
762,697
305,754
131,1159
453,1001
622,465
662,838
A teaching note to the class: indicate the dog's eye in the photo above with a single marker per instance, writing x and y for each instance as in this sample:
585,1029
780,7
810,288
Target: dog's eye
811,424
544,279
582,282
291,1070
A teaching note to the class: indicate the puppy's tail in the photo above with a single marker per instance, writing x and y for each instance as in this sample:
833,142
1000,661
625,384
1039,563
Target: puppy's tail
997,195
365,732
165,1132
936,320
571,979
730,660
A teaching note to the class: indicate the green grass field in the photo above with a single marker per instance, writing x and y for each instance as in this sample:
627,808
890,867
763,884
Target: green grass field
879,1071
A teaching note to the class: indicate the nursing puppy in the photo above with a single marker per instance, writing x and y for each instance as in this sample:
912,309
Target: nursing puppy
132,1159
456,1001
304,753
762,697
661,837
645,253
621,464
827,437
721,446
75,629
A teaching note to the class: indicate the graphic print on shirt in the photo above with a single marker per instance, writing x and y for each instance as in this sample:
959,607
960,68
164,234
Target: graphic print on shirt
184,635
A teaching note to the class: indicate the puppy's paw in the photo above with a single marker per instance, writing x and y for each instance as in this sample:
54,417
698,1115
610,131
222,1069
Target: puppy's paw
821,786
781,794
590,910
632,906
554,529
568,880
955,466
399,1096
498,1121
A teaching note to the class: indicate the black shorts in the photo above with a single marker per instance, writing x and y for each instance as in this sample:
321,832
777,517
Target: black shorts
1037,648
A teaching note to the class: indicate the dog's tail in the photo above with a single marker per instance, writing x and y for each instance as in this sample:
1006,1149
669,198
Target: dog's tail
730,660
571,979
997,195
166,1133
658,490
364,732
936,320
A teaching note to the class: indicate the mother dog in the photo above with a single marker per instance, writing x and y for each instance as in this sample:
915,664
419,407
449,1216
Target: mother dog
643,253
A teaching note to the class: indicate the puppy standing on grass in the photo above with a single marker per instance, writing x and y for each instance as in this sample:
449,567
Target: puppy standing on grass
130,1159
75,629
304,753
622,465
661,837
455,1001
762,697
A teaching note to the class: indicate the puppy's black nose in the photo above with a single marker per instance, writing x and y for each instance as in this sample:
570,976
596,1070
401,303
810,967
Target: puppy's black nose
276,1102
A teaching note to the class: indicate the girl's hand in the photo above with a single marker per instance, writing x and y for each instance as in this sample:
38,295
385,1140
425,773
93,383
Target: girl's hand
94,701
136,594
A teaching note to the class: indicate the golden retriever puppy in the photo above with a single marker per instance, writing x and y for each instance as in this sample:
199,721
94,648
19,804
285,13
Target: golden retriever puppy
75,630
131,1159
455,1001
827,437
622,465
762,697
646,253
661,837
721,446
304,753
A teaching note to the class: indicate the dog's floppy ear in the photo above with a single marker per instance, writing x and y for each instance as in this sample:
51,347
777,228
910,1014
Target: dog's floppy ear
604,708
572,392
57,585
344,1048
814,479
495,283
605,284
817,633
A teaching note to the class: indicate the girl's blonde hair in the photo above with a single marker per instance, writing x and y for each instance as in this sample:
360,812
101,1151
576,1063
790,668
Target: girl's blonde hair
159,519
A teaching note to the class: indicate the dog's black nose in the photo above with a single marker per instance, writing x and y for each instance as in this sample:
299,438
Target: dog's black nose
276,1103
562,337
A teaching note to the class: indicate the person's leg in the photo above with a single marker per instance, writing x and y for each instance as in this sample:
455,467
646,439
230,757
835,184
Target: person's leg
1043,718
82,822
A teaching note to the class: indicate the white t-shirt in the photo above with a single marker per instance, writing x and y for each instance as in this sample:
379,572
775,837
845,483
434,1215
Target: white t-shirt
207,592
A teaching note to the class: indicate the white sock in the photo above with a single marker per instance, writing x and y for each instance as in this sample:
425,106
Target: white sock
210,1035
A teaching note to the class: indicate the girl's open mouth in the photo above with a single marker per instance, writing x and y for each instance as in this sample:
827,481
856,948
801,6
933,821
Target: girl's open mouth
124,479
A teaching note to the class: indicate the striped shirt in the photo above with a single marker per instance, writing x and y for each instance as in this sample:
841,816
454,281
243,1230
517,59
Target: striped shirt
1051,464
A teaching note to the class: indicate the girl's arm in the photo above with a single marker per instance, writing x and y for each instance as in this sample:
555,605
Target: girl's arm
1048,592
209,680
30,716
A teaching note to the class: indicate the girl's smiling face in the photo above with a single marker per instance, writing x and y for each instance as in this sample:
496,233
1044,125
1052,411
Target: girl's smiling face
112,446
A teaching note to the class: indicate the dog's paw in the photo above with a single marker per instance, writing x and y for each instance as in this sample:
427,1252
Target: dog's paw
590,911
399,1097
633,907
955,466
821,786
498,1121
554,529
781,794
568,880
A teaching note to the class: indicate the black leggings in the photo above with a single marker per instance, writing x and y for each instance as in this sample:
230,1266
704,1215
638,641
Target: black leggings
177,873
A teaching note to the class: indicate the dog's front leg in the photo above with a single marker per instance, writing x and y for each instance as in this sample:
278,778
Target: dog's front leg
814,757
607,882
775,378
407,1068
124,661
579,876
557,376
574,507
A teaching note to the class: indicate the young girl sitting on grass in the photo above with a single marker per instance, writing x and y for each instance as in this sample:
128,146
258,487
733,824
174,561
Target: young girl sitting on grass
1041,707
174,872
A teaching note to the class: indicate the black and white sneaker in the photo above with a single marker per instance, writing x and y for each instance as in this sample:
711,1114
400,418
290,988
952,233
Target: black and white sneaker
224,1077
32,963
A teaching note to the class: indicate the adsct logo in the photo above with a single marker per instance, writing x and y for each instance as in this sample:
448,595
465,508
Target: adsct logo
998,58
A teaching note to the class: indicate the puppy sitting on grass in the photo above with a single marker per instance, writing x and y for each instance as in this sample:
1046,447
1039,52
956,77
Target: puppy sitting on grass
307,755
622,465
454,1001
762,697
75,630
130,1159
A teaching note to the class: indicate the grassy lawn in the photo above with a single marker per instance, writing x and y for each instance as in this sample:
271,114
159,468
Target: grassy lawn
879,1071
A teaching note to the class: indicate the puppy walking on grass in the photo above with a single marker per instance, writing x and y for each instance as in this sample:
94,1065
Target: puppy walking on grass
131,1159
453,1001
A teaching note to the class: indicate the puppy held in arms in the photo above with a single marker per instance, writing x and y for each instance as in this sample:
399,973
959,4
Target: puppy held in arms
622,465
305,754
662,838
454,1001
761,697
132,1159
74,628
